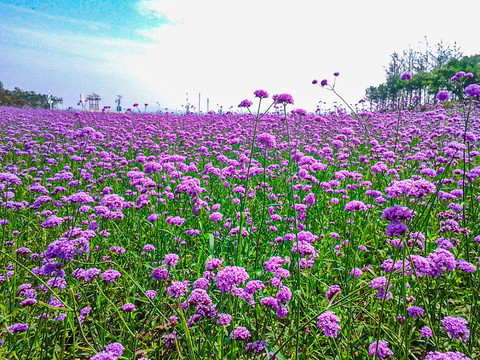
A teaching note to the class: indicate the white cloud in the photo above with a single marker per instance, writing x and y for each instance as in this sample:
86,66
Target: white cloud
228,49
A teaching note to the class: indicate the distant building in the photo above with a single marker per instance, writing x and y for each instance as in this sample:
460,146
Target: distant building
93,102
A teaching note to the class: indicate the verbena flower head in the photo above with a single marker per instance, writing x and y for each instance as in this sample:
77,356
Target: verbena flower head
240,333
397,213
355,205
426,332
456,327
245,103
324,82
382,347
284,99
449,355
443,95
171,260
15,328
115,348
472,90
267,139
414,311
314,82
406,76
178,289
262,94
336,73
332,290
231,276
110,275
224,319
214,264
329,323
160,273
128,307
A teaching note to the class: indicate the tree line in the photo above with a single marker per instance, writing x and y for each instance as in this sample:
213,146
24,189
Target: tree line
431,71
27,99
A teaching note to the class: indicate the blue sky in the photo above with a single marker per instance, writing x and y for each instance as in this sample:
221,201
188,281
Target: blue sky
156,51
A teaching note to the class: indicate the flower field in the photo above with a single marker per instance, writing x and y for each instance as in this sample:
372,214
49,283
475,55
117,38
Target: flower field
241,236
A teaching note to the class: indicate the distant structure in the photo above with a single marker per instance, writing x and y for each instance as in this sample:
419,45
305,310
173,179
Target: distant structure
93,102
50,101
118,101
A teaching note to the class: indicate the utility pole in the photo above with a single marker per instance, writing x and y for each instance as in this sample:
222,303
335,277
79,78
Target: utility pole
208,105
199,111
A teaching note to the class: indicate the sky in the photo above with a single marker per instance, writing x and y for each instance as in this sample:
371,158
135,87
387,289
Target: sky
157,51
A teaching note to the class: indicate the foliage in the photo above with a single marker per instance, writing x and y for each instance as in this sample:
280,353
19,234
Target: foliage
26,99
431,72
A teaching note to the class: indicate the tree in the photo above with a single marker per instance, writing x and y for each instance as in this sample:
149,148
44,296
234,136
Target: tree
431,71
19,98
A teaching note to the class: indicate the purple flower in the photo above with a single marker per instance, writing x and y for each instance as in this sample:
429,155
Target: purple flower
262,94
426,332
152,217
472,90
336,73
214,264
380,284
329,322
110,275
245,103
414,311
270,302
231,276
283,99
456,327
201,283
80,197
443,95
216,217
284,294
356,272
151,294
355,205
178,289
128,307
160,273
450,355
15,328
148,247
324,82
240,333
199,297
440,261
53,220
382,347
398,213
332,290
171,260
406,76
253,286
104,355
396,229
314,82
465,266
115,349
224,319
267,139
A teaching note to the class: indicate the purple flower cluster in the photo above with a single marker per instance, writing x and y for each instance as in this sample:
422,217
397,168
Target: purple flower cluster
329,323
231,276
380,349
